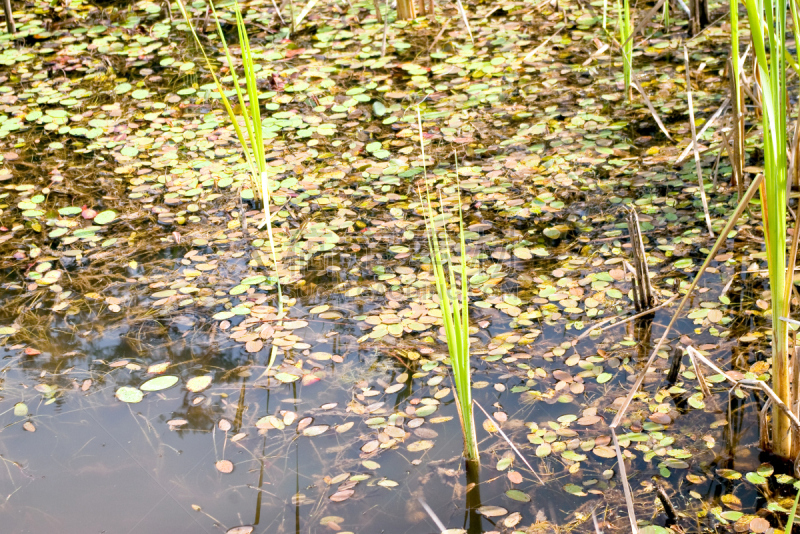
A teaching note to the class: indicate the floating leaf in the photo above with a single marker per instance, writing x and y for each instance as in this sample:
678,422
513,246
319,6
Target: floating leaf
286,378
492,511
755,478
503,464
105,217
315,430
574,490
518,495
160,382
224,466
421,445
198,383
129,394
20,409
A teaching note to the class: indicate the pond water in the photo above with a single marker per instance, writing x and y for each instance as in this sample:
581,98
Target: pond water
149,385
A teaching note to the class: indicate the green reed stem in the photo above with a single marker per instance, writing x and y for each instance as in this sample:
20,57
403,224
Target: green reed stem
455,311
253,140
770,16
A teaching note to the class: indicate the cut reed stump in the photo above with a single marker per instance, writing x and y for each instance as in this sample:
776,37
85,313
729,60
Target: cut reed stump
9,17
406,10
643,296
698,16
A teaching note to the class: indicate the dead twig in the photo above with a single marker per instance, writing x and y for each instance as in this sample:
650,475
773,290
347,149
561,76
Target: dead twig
510,443
623,321
649,105
623,475
697,164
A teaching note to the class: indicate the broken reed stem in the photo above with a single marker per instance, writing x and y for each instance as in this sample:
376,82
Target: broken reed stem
666,503
697,164
597,528
737,118
623,321
623,474
743,202
720,110
649,104
642,289
699,374
747,383
433,515
10,26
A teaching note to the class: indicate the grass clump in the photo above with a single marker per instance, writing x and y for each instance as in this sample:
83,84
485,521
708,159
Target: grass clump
454,305
252,137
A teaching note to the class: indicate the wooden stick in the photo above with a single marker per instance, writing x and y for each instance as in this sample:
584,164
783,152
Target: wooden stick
625,486
697,164
510,443
9,17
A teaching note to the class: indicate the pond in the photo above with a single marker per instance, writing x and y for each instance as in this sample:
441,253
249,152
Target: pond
149,383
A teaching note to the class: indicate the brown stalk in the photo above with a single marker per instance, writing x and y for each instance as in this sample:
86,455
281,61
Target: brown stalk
732,158
697,165
9,17
720,110
700,378
625,485
666,503
738,132
649,105
642,291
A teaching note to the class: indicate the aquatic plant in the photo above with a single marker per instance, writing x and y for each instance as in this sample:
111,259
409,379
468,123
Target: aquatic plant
252,141
626,39
455,310
770,16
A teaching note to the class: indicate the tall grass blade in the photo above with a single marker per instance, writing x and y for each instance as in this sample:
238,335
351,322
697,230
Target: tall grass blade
768,32
792,515
252,141
626,38
454,308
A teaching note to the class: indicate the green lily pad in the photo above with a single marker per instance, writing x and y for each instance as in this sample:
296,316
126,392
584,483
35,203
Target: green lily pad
129,394
160,382
105,217
20,409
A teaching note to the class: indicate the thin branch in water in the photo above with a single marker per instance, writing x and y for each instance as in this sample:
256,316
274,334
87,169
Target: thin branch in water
697,164
433,516
510,443
625,485
649,104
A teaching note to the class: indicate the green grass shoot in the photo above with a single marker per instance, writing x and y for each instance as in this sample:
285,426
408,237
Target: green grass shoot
792,515
454,306
770,16
625,31
252,138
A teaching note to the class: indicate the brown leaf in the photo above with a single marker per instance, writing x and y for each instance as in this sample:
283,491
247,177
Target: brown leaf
254,346
224,466
342,495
